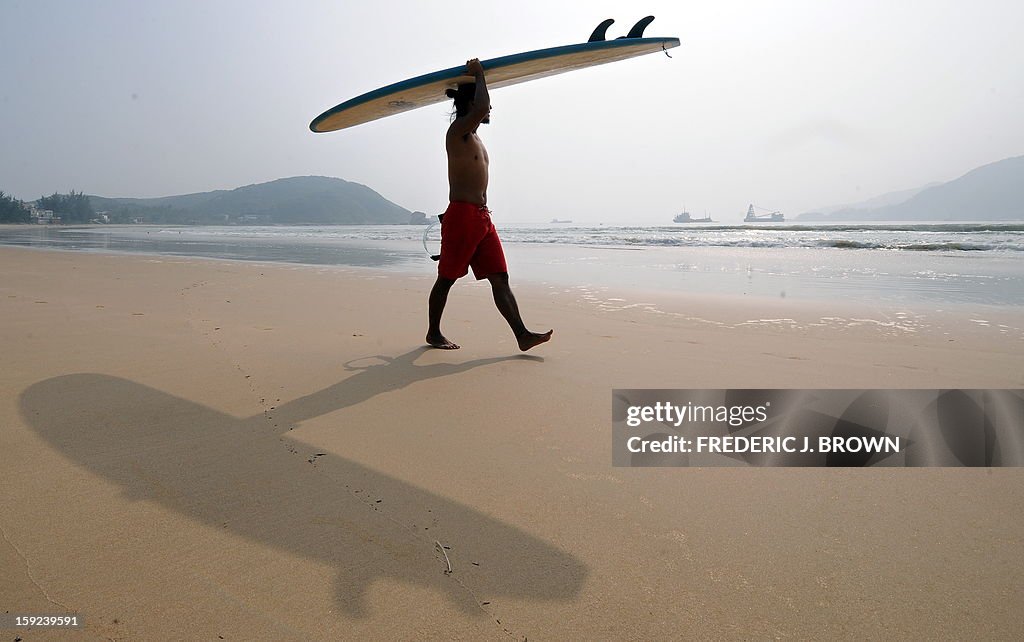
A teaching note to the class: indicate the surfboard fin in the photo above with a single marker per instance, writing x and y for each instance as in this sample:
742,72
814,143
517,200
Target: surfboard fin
638,29
601,32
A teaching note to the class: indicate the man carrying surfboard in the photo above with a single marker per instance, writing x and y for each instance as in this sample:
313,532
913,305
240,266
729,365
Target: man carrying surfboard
468,237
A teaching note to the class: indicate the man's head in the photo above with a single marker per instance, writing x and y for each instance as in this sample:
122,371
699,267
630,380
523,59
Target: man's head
463,97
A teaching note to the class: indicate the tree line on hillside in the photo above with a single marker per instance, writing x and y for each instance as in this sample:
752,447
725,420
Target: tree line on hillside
163,214
71,208
12,210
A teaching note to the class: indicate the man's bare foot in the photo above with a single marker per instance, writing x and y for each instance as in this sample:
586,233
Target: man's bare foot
531,339
438,341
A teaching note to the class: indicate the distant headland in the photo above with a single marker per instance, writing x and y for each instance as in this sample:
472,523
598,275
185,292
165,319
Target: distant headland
300,200
993,192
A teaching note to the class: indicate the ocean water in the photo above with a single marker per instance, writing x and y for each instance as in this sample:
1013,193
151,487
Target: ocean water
947,263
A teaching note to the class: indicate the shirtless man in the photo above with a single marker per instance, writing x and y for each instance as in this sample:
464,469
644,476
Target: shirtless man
468,237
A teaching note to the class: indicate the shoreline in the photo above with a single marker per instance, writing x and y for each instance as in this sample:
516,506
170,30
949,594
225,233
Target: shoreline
824,275
197,448
732,309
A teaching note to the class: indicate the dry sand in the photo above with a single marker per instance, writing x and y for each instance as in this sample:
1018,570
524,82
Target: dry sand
194,449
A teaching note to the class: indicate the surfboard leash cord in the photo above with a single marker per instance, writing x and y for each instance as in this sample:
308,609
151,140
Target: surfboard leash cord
433,257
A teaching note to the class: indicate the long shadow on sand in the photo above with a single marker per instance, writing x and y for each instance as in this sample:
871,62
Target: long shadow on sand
241,476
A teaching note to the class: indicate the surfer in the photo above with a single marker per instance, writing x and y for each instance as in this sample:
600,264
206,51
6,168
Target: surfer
468,237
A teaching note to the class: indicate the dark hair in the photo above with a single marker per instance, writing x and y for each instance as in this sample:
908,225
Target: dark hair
463,96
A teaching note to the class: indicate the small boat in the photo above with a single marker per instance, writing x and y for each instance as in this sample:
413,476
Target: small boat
774,217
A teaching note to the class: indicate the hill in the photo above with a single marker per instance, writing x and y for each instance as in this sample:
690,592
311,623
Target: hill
889,198
301,200
991,192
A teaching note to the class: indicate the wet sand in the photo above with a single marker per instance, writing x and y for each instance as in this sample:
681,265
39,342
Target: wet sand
198,448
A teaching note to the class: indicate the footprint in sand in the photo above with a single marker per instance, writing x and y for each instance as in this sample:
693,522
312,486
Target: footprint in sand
792,357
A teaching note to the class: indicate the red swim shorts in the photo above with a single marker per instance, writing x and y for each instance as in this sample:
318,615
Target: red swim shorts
468,239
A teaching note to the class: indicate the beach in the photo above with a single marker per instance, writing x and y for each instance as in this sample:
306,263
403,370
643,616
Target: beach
198,448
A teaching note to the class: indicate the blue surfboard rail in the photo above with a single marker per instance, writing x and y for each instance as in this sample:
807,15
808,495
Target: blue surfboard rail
488,65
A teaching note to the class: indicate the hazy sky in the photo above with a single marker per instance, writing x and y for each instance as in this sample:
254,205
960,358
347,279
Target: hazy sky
789,105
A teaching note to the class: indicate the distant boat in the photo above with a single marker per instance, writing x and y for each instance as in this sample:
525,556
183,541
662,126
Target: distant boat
686,218
774,217
555,220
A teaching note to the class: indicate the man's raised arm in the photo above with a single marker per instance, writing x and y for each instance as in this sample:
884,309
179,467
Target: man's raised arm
481,102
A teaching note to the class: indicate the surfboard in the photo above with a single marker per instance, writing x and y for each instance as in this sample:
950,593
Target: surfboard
429,89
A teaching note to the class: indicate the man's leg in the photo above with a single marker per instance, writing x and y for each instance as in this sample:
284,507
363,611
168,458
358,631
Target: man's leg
506,304
437,301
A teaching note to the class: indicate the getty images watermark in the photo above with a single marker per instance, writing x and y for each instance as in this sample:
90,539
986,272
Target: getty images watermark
858,428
